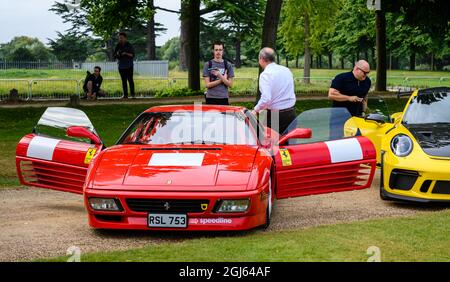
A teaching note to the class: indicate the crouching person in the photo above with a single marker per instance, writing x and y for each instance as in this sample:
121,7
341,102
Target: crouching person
92,84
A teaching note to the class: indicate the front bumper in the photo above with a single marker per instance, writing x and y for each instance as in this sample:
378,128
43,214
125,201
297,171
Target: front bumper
393,196
206,220
418,180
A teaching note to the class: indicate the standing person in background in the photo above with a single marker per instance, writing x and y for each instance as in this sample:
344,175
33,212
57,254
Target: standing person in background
218,74
276,85
124,53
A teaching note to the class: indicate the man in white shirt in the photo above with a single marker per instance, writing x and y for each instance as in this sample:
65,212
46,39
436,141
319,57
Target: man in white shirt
276,85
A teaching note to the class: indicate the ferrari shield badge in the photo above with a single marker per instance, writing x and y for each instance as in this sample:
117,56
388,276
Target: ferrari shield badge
285,157
89,155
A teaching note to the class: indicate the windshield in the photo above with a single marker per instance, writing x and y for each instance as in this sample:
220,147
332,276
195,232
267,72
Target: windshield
326,124
188,127
428,108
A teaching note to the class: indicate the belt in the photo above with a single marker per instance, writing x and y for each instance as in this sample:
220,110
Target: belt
285,110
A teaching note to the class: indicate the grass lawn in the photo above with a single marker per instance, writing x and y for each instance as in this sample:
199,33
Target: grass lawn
417,238
109,120
44,84
246,72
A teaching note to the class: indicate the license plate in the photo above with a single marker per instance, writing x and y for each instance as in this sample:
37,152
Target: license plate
167,220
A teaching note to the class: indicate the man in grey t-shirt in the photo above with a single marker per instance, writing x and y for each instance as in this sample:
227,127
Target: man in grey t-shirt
218,75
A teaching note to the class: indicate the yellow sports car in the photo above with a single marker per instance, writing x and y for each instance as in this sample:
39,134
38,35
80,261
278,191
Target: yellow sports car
413,147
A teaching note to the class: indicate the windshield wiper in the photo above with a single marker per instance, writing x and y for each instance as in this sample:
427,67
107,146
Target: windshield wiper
203,142
134,143
428,123
441,123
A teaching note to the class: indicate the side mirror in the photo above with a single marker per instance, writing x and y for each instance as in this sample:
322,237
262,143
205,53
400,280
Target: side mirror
378,118
396,116
303,133
82,132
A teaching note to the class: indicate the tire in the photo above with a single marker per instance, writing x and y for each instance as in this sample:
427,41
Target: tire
383,197
269,205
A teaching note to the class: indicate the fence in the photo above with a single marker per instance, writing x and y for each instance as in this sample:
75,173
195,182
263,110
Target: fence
62,89
150,68
48,65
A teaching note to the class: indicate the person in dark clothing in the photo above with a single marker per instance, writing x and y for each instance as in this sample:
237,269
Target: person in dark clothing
349,90
124,53
92,84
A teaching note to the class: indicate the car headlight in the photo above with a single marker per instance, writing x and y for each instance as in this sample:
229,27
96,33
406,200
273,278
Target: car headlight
233,205
104,204
401,145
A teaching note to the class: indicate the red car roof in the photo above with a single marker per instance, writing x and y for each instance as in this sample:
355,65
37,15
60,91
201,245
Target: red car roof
171,108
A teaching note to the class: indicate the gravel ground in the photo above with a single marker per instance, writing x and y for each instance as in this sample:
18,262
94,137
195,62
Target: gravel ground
53,221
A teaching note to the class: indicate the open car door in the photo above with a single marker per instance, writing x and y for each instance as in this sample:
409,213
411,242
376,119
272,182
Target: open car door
58,152
316,155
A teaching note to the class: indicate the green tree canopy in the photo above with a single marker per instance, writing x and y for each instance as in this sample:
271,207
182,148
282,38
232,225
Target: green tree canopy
304,28
72,47
23,48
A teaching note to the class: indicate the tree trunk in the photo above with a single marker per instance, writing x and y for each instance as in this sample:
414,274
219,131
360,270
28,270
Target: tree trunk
110,49
372,57
412,61
308,59
271,19
193,44
390,60
237,60
287,61
184,34
151,45
380,84
395,63
438,64
296,61
330,60
319,62
270,26
432,62
342,63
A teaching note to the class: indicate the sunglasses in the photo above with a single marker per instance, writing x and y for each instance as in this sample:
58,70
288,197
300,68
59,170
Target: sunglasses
365,72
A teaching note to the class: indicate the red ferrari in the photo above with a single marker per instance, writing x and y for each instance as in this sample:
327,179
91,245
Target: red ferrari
192,167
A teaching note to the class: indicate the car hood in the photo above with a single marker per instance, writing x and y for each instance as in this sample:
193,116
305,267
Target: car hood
433,139
184,168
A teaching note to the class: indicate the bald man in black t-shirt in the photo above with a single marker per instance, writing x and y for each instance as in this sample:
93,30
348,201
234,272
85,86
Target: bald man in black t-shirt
350,89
